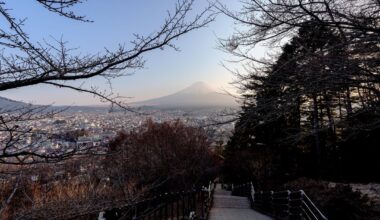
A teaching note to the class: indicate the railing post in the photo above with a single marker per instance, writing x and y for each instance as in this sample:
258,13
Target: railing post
166,205
160,208
271,203
172,205
252,193
209,190
288,203
177,204
202,204
160,213
194,200
154,215
188,203
136,210
183,204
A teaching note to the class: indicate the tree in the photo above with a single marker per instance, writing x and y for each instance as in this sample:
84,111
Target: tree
25,63
164,156
321,86
356,23
154,158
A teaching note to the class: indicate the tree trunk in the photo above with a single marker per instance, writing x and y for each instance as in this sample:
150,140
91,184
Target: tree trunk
316,135
348,102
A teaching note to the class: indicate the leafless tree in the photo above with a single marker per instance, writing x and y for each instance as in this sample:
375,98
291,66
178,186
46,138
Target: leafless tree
167,154
155,158
24,62
273,23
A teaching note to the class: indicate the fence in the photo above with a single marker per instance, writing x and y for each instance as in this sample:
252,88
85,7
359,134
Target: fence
281,205
193,204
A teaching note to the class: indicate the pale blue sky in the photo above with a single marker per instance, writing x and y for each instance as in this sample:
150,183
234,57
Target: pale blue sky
114,22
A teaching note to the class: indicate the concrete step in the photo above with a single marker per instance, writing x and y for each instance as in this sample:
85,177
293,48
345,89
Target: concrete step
231,202
227,207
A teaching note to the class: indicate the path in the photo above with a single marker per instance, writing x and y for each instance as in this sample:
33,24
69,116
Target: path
227,207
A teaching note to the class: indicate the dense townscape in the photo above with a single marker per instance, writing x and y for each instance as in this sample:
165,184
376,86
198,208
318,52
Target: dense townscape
98,126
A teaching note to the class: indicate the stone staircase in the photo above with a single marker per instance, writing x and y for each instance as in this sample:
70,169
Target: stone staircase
228,207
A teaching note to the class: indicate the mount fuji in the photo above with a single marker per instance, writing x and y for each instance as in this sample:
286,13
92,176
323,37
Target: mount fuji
198,95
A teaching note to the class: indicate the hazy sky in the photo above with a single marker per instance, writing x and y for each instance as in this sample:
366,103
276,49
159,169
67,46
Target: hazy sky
115,21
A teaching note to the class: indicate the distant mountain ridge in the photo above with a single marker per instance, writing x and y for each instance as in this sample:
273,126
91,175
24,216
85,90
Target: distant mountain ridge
8,104
198,94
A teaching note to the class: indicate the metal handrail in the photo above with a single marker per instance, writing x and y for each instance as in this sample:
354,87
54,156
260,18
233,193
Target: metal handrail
280,204
193,204
313,208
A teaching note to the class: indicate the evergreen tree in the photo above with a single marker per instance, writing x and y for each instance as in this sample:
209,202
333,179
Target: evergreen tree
298,110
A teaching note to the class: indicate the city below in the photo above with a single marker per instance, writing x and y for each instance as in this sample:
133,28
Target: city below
90,127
